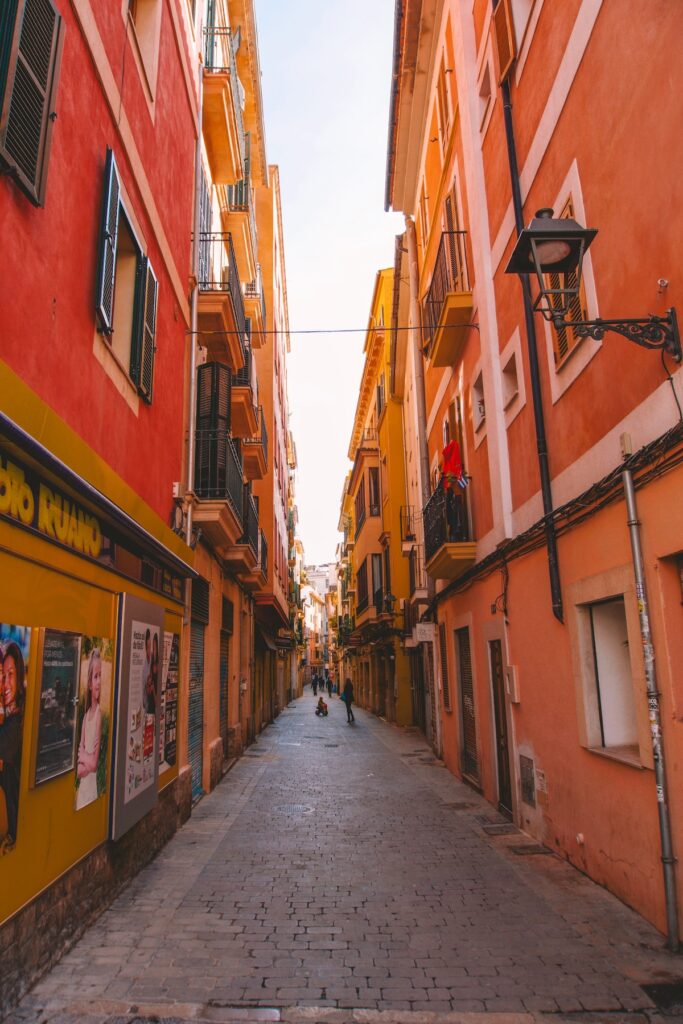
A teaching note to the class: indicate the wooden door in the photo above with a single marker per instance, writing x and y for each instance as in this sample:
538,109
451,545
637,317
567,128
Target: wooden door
502,744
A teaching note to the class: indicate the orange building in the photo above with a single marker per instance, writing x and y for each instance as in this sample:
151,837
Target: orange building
536,667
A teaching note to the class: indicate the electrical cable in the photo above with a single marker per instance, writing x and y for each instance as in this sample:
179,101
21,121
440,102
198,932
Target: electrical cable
671,382
321,330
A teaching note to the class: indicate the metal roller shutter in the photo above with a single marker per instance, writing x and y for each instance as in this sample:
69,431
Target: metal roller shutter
196,720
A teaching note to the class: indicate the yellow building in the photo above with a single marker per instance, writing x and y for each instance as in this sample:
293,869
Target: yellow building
374,575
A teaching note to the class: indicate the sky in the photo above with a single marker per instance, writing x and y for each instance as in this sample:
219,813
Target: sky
326,79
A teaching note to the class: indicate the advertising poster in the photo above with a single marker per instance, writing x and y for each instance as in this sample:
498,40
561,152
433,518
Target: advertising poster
57,713
143,698
15,642
94,726
169,701
139,658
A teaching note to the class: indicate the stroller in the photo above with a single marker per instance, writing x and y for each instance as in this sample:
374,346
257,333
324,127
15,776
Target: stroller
321,708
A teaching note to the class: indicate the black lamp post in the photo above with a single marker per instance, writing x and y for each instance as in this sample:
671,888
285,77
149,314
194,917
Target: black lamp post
553,248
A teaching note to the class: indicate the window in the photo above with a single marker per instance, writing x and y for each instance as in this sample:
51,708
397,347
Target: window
360,507
373,488
126,289
564,339
145,16
485,93
613,680
362,586
478,404
381,400
510,385
31,38
443,105
377,589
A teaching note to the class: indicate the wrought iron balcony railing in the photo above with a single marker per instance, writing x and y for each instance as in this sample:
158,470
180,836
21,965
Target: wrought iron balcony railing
261,438
451,274
246,376
218,469
263,559
445,520
410,518
219,58
254,289
416,569
249,520
218,273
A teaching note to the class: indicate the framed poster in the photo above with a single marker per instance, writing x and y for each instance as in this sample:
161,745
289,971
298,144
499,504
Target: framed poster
94,723
137,714
15,647
60,656
169,702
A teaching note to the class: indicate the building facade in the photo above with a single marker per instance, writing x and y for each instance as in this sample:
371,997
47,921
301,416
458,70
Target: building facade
539,658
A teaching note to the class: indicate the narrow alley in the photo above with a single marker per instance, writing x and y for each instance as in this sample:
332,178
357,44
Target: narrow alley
342,867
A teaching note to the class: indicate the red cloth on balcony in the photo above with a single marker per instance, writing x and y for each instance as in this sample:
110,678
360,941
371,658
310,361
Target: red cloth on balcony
452,465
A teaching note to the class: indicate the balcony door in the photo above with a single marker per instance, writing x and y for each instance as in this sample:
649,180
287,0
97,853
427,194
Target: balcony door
500,717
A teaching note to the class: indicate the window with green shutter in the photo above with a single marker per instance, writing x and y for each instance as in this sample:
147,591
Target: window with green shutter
127,288
31,39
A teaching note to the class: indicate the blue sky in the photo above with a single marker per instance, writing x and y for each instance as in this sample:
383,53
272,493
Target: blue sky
326,69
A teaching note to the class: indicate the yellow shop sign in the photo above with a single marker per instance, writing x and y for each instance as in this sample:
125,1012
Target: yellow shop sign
28,500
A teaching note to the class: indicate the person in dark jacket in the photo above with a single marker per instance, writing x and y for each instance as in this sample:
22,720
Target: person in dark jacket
13,674
347,697
314,684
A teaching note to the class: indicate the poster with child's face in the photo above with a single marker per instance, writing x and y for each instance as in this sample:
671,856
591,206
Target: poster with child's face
15,643
94,723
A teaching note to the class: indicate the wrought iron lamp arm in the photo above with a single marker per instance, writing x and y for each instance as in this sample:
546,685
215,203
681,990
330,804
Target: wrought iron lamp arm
652,332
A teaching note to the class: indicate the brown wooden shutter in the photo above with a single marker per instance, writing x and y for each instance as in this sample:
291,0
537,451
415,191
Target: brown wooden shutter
505,38
144,329
31,39
468,728
444,667
109,231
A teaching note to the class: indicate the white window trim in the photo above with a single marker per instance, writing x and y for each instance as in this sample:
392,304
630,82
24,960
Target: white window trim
147,70
514,348
615,582
487,62
524,45
563,375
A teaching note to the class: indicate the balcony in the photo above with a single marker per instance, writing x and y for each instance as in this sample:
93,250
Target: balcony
258,577
410,518
236,204
255,304
417,573
242,558
448,305
220,314
219,488
245,398
222,120
255,450
449,551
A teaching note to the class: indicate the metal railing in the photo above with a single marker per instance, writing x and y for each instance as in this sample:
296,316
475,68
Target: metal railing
254,290
368,437
261,438
445,520
218,469
416,570
219,58
249,520
410,517
451,274
263,554
246,376
218,273
239,198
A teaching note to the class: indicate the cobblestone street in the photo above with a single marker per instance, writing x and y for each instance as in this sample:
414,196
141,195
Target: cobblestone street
341,867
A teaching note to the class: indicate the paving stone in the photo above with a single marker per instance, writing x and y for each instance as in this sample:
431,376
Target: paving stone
381,899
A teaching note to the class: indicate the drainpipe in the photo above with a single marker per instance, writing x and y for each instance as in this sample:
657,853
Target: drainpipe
192,404
532,346
668,859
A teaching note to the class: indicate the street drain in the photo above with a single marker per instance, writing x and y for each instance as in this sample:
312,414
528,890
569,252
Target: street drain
530,850
488,819
667,996
331,744
293,808
500,830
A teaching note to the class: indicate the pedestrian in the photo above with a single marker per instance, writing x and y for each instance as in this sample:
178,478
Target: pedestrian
347,697
314,684
329,685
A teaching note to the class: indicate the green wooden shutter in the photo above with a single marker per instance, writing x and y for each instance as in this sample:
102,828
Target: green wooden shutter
144,329
31,38
109,230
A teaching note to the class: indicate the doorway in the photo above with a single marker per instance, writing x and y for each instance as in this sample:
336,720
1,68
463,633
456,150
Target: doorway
500,717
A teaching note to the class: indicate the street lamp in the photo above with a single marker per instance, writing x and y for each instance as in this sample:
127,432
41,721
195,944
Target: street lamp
553,248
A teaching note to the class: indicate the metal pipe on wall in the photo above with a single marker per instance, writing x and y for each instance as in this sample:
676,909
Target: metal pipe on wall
192,398
532,348
668,859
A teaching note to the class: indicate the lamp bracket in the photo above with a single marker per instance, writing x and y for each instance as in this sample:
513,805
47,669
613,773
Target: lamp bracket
652,332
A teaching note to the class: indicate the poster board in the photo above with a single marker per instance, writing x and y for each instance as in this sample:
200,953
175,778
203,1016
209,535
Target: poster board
59,661
138,713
